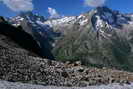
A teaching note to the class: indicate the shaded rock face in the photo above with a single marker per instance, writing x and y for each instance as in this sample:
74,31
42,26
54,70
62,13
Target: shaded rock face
33,25
23,39
42,37
2,19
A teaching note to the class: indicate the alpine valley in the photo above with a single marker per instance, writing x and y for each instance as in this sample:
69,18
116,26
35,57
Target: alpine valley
100,39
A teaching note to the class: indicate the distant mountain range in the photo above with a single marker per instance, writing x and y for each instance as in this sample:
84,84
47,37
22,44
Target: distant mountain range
101,37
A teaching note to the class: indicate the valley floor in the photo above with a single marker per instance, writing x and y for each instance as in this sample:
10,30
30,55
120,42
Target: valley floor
9,85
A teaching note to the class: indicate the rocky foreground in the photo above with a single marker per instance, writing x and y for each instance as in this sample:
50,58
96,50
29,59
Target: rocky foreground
28,69
20,65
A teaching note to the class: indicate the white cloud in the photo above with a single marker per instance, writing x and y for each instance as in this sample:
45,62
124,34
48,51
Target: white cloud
94,3
53,13
19,5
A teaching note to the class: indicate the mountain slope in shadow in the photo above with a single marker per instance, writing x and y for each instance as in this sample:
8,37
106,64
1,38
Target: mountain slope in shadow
25,40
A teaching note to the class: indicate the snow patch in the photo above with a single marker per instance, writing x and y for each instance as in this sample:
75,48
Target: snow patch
65,20
99,23
83,22
16,21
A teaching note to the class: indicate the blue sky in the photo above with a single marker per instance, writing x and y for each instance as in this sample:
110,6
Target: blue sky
68,7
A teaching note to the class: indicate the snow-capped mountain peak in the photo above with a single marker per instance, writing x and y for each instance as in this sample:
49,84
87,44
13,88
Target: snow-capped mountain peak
104,16
64,20
101,17
29,16
67,20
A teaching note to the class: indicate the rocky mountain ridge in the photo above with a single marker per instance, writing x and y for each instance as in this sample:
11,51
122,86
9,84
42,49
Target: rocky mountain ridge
100,37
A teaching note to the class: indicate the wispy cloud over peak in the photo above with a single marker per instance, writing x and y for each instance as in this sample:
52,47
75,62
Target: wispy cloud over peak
19,5
94,3
53,13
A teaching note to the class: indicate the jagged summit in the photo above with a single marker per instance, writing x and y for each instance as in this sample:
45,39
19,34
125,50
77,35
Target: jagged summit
101,16
112,19
33,16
